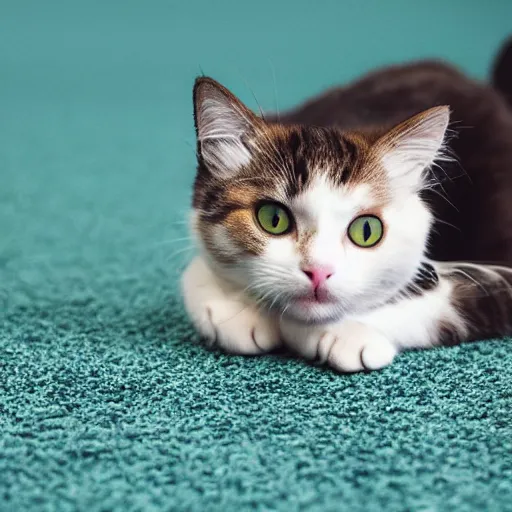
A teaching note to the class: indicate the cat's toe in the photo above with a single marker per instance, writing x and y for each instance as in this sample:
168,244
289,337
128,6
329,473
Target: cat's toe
203,322
347,360
378,354
265,335
241,329
357,347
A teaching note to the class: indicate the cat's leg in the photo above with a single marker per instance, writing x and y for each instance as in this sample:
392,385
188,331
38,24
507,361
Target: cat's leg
422,318
224,316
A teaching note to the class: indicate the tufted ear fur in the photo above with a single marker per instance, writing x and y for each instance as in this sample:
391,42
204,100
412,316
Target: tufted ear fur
224,126
410,148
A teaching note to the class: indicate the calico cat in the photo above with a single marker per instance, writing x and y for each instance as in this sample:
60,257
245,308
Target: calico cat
345,228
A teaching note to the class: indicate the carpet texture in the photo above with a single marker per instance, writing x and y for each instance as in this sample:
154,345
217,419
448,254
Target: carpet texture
108,400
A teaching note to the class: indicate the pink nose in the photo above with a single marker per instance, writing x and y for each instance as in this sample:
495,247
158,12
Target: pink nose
318,274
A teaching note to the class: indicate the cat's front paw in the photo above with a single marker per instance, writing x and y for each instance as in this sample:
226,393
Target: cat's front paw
352,347
237,327
347,347
223,316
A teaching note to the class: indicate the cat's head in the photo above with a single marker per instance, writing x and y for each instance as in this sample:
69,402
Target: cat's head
315,223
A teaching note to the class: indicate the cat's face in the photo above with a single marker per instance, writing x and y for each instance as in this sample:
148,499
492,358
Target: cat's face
314,223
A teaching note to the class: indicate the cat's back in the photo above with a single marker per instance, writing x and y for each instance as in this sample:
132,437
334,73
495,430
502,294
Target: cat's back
392,94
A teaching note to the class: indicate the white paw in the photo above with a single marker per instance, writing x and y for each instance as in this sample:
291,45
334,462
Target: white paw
375,356
223,316
349,346
237,327
353,346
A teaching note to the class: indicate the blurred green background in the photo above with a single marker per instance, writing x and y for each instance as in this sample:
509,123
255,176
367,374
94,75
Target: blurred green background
107,401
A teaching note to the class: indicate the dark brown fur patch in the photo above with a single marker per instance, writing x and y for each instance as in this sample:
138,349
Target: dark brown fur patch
483,296
448,335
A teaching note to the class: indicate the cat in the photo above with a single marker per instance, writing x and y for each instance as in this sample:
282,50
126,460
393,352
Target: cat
358,224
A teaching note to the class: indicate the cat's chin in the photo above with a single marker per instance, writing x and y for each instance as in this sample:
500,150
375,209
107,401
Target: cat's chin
314,313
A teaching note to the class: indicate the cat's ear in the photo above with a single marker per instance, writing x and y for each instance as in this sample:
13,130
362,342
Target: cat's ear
410,148
224,126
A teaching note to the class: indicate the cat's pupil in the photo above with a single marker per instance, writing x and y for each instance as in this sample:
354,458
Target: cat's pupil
275,220
367,231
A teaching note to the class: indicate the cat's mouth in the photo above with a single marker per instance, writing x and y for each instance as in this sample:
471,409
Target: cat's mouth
315,298
312,308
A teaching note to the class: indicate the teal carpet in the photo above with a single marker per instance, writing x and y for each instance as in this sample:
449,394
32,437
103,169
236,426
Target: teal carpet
108,402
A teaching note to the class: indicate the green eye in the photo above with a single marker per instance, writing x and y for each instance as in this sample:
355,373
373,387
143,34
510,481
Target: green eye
274,219
366,231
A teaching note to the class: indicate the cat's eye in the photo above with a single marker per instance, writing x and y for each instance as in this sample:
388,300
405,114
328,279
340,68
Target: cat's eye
274,218
366,231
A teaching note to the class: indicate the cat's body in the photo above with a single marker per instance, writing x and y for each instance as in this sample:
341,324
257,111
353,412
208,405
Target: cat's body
318,227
